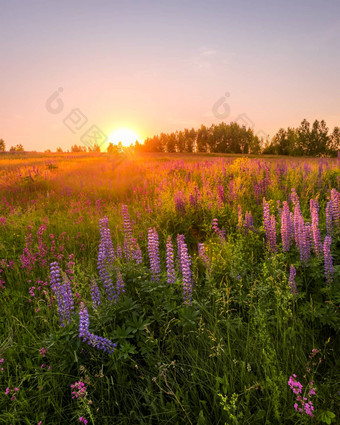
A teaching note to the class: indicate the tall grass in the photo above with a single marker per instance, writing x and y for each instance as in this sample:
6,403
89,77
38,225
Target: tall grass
224,358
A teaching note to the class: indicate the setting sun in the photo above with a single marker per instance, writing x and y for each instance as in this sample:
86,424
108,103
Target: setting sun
124,135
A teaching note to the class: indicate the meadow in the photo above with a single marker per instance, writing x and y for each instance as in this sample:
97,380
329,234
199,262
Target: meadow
169,289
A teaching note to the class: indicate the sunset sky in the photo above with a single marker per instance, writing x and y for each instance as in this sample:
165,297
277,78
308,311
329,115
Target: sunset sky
153,66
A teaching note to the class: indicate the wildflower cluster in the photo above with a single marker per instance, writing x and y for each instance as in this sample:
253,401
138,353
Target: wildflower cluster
217,230
95,294
185,261
63,293
153,249
94,340
106,258
78,390
303,404
203,255
180,202
170,269
291,280
127,232
12,393
329,269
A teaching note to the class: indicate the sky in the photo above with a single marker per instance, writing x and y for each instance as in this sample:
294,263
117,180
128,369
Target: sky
70,69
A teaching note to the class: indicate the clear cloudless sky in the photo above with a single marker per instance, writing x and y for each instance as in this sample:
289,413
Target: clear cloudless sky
155,66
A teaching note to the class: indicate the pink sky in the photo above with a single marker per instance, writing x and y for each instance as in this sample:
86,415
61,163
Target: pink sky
161,66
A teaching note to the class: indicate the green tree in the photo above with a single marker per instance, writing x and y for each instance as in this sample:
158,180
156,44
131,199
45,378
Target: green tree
17,148
113,149
2,145
304,133
319,140
76,148
180,141
94,148
334,141
202,139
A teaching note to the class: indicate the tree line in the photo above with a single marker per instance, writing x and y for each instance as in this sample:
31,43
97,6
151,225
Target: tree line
305,140
17,148
221,138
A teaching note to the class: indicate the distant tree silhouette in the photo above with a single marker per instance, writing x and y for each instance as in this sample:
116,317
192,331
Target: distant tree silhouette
94,148
59,150
2,145
76,148
306,140
17,148
225,138
113,148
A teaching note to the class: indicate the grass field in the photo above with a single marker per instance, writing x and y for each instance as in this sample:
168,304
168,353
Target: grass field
169,289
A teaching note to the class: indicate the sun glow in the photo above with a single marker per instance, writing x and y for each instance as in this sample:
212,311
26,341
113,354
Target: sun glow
124,135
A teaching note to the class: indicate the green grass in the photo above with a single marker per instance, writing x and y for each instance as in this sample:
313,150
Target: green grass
225,359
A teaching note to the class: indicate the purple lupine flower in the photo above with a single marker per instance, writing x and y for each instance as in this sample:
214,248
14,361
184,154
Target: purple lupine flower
232,192
217,230
305,242
221,195
273,246
279,209
63,293
329,220
286,227
239,217
104,275
267,222
84,322
295,198
180,202
119,251
203,255
106,258
153,249
127,232
120,283
329,269
298,223
291,280
101,343
136,252
55,275
314,210
94,340
248,221
95,295
180,240
185,260
170,269
69,303
335,206
106,241
303,235
195,197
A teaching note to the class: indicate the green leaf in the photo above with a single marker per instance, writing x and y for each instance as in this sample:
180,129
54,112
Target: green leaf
326,416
